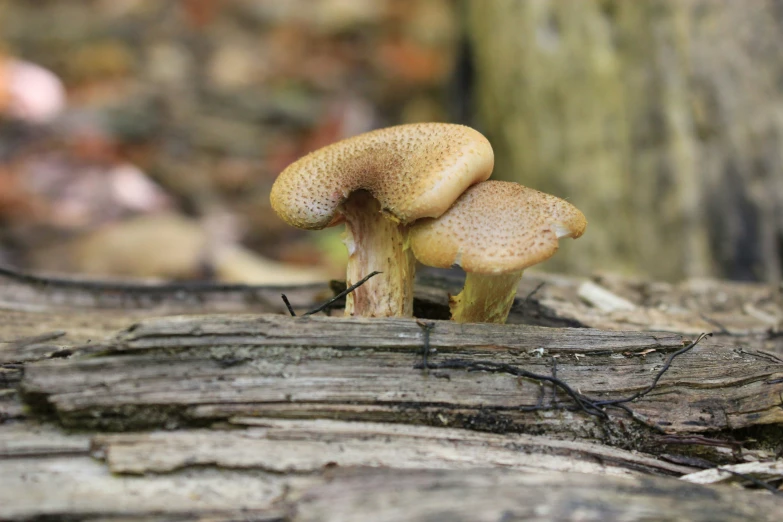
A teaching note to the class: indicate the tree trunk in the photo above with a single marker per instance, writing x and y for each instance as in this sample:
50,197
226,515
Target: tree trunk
662,120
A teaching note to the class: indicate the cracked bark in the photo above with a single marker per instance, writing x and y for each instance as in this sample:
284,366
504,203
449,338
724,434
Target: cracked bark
305,418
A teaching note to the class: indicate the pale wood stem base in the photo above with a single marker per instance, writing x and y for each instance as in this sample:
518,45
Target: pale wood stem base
375,242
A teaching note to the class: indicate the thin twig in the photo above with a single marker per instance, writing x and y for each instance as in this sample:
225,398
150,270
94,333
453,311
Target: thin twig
657,377
760,483
641,419
535,290
342,294
288,305
583,402
713,322
766,355
458,364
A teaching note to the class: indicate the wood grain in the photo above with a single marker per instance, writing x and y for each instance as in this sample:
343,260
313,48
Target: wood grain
268,417
187,370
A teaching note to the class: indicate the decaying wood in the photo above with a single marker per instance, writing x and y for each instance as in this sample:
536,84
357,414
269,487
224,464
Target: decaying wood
82,488
42,317
303,446
501,495
769,470
269,417
187,370
750,310
691,307
328,470
79,488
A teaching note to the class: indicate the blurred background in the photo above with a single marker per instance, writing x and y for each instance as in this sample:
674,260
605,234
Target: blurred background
140,138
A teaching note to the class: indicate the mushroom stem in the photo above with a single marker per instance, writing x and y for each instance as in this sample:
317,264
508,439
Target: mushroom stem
485,298
375,242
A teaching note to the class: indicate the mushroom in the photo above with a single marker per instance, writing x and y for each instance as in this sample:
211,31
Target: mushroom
494,231
378,183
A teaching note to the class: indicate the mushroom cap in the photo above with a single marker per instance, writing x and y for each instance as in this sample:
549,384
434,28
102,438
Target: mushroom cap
414,171
496,227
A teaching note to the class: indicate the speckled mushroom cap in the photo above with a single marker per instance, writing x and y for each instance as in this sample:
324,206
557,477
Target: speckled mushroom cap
414,171
496,227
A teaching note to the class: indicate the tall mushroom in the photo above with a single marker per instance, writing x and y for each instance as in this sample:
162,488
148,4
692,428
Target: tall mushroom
494,231
378,183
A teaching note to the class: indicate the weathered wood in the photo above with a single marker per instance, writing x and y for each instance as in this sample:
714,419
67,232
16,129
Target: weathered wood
80,488
190,370
148,466
35,440
320,470
264,406
490,495
280,330
691,307
42,318
764,471
299,446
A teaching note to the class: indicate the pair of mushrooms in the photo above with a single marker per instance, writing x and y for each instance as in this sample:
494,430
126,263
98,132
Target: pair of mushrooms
420,192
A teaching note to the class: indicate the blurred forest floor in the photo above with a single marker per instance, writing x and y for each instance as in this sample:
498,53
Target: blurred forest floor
178,116
141,138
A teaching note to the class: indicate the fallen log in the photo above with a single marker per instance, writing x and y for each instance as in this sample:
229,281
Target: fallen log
195,370
264,469
80,488
271,417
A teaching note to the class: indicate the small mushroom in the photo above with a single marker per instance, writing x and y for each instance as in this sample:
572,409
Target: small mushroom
377,183
494,231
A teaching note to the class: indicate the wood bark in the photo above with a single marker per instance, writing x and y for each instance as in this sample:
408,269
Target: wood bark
661,120
208,368
81,489
330,470
263,416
